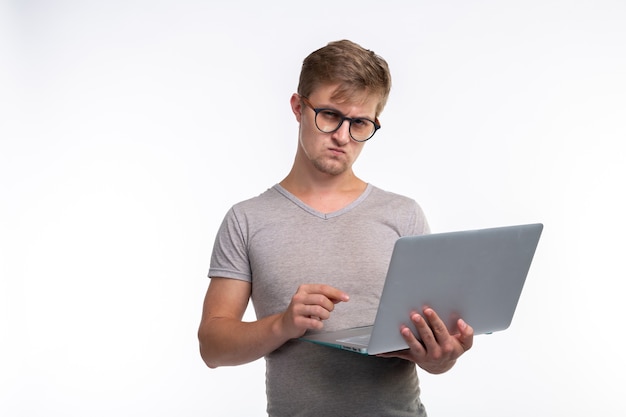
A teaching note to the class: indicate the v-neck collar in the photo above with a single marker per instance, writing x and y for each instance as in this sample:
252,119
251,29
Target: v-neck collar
316,213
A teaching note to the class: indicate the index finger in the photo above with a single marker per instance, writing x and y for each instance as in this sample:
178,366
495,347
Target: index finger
330,292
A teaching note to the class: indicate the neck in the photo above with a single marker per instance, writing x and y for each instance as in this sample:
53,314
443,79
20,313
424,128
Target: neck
323,192
310,181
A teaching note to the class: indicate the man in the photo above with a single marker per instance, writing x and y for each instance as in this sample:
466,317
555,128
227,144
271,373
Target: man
312,253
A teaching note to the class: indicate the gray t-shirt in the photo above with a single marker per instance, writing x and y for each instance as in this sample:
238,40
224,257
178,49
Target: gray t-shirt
276,242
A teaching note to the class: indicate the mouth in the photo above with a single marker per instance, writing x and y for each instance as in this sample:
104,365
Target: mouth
336,151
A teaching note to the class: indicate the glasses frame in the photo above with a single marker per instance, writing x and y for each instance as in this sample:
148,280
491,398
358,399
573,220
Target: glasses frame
343,118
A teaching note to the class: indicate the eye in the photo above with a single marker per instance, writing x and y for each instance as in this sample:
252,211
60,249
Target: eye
361,123
330,115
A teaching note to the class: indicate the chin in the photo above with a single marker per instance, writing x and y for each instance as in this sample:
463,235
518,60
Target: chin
331,169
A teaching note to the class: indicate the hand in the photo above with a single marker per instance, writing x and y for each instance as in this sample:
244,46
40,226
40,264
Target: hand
438,350
311,304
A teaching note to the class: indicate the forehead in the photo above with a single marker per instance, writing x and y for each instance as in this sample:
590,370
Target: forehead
362,102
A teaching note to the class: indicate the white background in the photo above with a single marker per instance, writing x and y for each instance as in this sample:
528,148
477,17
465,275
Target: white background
128,128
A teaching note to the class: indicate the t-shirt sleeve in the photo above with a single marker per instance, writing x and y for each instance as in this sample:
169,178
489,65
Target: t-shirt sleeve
419,222
230,255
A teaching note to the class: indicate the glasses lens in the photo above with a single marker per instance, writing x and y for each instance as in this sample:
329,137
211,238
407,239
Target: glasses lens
362,129
328,121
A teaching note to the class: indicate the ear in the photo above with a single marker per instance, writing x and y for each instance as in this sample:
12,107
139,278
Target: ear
296,106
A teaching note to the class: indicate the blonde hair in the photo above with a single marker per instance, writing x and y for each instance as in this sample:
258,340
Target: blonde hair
355,69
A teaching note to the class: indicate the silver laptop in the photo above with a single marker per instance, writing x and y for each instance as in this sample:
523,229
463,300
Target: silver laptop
476,275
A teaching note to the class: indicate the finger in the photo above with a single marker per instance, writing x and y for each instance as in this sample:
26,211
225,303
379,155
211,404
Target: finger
319,312
332,293
437,326
311,317
416,350
415,345
306,305
318,303
466,334
423,330
308,300
315,323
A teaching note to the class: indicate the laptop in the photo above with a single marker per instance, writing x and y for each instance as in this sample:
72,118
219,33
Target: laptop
476,275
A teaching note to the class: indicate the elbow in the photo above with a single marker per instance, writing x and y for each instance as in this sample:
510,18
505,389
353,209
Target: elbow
207,358
206,353
212,364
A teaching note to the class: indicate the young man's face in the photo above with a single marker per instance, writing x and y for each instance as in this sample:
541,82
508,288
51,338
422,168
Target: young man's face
331,153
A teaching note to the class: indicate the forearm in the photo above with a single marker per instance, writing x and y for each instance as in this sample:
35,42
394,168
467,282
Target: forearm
226,341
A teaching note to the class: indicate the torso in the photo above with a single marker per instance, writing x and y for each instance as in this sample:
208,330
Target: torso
277,242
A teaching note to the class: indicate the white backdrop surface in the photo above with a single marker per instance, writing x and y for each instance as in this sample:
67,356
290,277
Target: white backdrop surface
128,128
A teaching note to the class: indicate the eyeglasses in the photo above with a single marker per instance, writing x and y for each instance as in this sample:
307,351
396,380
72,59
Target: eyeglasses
330,120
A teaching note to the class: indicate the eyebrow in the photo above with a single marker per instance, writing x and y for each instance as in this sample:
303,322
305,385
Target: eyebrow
345,115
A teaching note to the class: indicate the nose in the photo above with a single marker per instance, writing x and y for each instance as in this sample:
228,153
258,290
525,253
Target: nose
342,135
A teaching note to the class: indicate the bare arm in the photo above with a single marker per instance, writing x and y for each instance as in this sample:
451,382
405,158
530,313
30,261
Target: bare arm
226,340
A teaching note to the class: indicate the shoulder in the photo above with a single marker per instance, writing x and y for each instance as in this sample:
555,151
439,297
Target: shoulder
390,198
404,210
267,200
255,212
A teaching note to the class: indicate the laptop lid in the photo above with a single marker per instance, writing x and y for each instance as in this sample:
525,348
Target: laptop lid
476,274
